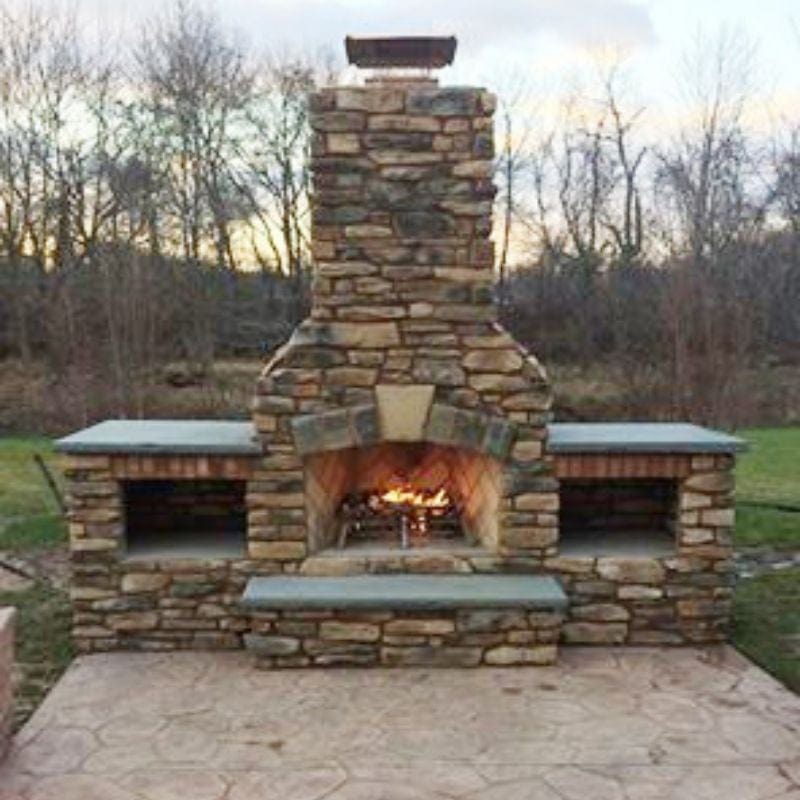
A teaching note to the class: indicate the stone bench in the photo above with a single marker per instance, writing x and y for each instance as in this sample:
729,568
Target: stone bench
404,620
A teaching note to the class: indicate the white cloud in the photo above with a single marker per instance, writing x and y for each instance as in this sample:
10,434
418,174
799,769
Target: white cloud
478,24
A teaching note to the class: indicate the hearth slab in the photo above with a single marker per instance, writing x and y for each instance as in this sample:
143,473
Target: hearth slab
164,436
404,592
239,438
638,437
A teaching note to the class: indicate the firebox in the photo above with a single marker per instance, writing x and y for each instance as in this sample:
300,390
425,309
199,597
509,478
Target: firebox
402,495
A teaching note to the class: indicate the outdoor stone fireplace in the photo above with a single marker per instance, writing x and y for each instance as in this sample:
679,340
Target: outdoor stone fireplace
401,495
402,372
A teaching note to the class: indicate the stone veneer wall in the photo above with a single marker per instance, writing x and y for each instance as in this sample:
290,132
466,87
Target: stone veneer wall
402,298
149,604
7,618
683,597
464,638
118,602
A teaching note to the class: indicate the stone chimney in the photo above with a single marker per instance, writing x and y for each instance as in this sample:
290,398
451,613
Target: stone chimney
402,343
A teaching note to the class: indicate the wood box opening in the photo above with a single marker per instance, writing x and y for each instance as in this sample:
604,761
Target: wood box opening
185,518
618,517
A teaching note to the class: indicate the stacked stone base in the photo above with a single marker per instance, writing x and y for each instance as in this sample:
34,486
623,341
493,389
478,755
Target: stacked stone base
458,638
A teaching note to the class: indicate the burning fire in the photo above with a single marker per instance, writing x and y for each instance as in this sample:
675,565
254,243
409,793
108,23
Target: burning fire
406,496
413,508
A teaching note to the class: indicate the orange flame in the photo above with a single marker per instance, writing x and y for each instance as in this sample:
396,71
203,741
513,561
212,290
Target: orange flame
406,496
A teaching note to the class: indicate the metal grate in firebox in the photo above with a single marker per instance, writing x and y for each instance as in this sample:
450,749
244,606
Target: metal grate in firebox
369,517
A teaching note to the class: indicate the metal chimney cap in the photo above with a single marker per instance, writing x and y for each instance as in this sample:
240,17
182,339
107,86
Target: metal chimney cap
426,52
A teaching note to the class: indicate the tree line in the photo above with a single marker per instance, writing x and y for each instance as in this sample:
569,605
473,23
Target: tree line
155,206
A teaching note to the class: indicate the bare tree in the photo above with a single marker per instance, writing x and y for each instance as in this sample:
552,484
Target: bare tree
516,103
198,87
705,175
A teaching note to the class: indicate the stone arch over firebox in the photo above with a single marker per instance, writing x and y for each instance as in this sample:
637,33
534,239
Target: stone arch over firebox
403,413
403,433
508,504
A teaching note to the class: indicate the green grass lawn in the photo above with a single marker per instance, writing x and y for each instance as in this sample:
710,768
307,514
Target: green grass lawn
30,523
766,623
766,612
43,643
29,514
768,475
769,472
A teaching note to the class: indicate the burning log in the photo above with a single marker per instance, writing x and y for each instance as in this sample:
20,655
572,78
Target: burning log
403,513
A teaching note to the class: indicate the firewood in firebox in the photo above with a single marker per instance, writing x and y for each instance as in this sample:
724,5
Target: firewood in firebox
408,518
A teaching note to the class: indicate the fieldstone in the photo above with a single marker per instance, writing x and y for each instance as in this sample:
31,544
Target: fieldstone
423,224
93,545
473,169
185,588
352,376
270,645
600,612
570,564
343,143
493,360
529,401
528,480
365,424
419,627
631,570
316,647
467,275
527,451
277,551
358,335
402,122
354,656
374,100
444,102
546,501
439,372
144,582
495,382
126,603
696,536
595,632
694,500
349,631
710,482
507,655
367,231
77,593
489,621
132,621
640,593
719,517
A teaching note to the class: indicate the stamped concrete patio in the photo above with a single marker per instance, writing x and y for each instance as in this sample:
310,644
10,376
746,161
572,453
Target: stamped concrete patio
641,724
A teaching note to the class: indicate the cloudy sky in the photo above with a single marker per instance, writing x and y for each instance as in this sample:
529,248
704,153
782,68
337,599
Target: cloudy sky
550,41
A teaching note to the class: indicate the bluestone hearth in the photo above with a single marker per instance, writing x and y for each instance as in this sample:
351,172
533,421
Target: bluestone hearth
401,495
